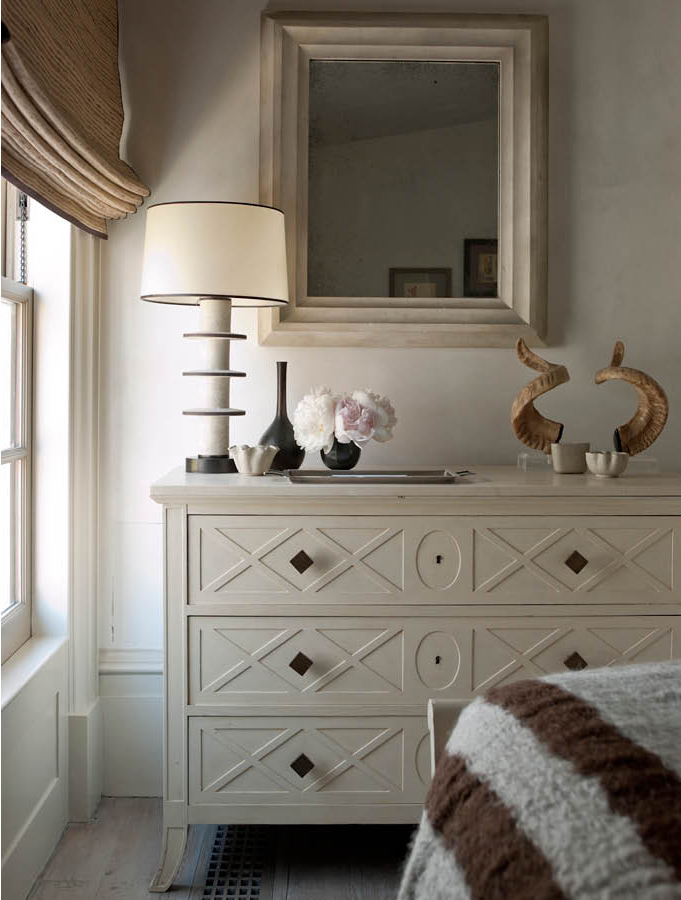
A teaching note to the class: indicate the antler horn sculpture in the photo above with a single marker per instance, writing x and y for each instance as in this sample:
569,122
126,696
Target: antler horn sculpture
530,426
652,410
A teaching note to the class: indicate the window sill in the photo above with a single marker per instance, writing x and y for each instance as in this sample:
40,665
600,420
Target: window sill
18,670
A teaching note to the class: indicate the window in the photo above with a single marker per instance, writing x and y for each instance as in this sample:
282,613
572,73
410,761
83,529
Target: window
16,314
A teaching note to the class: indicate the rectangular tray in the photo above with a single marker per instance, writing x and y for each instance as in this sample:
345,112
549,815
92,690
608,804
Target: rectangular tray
376,476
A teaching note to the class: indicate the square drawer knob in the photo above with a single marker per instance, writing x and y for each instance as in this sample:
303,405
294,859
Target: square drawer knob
302,765
576,562
575,662
301,562
300,663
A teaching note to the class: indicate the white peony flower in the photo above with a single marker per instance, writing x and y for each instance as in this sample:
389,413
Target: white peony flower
385,419
313,420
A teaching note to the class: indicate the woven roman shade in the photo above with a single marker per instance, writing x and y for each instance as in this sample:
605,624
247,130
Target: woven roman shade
62,111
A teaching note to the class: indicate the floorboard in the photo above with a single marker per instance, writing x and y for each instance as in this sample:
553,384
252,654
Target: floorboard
341,862
115,856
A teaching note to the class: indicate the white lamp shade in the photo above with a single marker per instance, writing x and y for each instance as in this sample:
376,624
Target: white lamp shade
194,250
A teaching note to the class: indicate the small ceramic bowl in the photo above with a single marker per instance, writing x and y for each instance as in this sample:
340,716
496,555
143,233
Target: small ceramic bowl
569,459
607,463
253,460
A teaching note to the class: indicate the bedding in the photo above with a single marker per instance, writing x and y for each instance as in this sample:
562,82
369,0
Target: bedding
566,787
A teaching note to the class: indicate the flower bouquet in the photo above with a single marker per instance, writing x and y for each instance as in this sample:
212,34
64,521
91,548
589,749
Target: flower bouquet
339,425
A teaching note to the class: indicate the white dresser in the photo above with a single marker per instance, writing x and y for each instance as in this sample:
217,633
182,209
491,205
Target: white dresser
306,626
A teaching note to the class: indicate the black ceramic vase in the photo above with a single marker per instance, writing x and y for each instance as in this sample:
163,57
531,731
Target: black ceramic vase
280,432
341,456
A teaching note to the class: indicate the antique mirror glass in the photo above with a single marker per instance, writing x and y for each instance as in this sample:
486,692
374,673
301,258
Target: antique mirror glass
403,175
408,153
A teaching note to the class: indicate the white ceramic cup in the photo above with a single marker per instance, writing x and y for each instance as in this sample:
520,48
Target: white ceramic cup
569,459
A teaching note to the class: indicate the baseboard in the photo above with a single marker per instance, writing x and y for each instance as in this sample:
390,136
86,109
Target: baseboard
86,763
132,715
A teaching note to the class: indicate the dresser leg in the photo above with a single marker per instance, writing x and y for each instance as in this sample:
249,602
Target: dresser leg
174,841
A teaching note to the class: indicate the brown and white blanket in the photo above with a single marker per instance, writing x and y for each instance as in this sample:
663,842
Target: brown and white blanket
561,788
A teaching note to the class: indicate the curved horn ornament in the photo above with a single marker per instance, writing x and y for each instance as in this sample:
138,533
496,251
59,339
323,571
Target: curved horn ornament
651,413
529,426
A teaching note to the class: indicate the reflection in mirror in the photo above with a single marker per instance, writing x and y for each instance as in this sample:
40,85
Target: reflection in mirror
403,179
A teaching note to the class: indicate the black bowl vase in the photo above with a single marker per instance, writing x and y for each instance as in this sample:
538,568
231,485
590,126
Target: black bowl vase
342,456
280,432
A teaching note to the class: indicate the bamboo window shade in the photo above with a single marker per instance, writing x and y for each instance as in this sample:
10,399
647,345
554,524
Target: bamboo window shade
62,110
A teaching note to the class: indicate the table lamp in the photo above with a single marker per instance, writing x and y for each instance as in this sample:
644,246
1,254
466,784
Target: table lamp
214,255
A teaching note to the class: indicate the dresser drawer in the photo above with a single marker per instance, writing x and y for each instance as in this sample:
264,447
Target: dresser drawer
294,559
502,560
308,760
613,560
339,661
323,661
506,650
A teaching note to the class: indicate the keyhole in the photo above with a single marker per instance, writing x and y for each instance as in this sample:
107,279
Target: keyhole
438,559
438,659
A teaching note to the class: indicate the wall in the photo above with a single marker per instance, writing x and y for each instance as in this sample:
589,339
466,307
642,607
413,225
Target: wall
192,94
133,737
35,783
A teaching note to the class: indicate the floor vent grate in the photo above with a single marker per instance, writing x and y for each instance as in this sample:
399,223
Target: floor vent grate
239,865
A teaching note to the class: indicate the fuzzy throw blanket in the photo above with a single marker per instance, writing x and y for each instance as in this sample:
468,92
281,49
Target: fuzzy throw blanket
561,788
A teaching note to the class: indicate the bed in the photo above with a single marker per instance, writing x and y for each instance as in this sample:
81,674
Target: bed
566,787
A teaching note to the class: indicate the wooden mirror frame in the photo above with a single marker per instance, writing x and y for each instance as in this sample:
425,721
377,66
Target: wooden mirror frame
520,45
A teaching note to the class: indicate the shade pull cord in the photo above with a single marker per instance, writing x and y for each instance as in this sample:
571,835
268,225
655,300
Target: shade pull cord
22,216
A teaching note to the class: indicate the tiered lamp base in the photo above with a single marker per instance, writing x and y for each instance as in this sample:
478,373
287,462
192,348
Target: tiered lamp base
216,314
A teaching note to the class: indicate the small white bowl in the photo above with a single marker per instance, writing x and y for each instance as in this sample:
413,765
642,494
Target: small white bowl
607,463
253,460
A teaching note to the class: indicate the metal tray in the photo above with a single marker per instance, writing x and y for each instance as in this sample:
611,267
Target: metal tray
376,476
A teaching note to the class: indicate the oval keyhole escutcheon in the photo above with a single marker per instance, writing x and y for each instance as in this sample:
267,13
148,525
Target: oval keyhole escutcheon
437,660
438,560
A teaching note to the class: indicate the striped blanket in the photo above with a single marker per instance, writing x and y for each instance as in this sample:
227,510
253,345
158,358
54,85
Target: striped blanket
561,788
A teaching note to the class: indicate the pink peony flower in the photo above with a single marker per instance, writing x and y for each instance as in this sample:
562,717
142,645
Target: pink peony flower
355,421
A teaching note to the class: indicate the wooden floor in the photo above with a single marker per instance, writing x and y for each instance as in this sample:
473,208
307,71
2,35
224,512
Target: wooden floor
116,855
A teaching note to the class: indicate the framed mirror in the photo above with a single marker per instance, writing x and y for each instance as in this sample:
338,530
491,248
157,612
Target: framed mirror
408,153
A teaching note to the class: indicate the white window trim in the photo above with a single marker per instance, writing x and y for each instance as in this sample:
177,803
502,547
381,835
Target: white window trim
16,621
85,712
84,468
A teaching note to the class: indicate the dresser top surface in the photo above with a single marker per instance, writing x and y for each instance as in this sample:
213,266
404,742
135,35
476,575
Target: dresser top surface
487,482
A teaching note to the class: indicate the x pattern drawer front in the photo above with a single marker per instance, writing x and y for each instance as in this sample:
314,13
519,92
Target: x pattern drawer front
246,661
523,560
508,652
229,561
530,559
241,661
244,760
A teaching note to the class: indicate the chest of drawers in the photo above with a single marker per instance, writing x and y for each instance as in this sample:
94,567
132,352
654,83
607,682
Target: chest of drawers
306,627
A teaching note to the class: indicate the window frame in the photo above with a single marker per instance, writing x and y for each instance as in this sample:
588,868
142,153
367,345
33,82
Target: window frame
16,620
